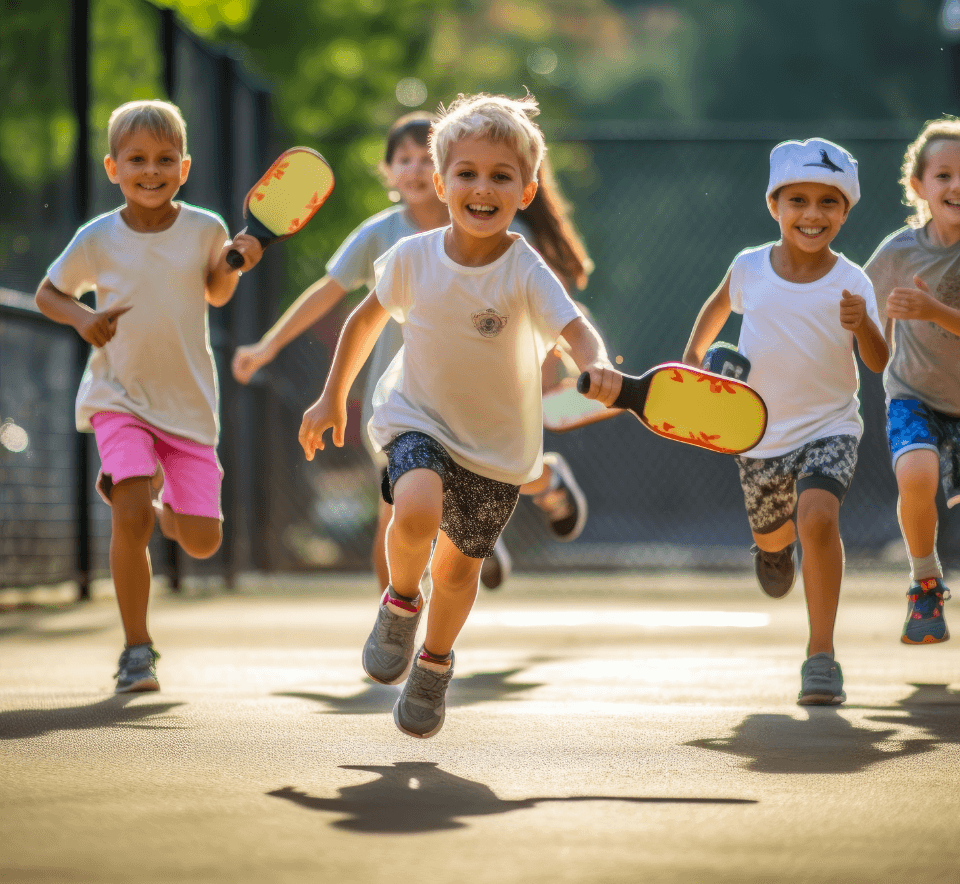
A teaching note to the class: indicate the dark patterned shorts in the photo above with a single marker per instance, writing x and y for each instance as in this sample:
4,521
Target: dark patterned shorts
911,425
475,509
771,485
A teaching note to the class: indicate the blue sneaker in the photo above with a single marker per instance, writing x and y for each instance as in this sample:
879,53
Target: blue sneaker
821,681
137,670
422,705
388,652
925,624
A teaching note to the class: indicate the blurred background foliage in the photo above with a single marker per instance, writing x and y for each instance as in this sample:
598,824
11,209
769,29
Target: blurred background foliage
342,70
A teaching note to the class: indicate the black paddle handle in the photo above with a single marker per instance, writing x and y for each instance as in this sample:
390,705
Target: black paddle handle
632,395
234,258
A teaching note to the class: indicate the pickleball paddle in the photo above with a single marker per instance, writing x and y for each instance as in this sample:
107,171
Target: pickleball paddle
693,406
285,198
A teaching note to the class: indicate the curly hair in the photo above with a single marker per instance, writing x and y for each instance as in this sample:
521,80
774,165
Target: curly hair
946,128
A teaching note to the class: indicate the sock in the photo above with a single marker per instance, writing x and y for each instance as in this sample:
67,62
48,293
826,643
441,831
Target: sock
925,567
400,604
434,663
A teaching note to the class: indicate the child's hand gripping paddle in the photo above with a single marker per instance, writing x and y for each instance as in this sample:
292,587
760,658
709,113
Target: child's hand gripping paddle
565,409
691,405
285,198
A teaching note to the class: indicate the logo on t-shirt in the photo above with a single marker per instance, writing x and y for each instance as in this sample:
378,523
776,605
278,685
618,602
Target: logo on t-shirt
488,322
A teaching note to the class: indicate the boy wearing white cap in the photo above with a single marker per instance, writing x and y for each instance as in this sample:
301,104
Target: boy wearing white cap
803,305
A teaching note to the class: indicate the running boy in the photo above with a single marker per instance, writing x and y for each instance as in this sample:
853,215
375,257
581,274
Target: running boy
150,389
916,275
460,416
803,305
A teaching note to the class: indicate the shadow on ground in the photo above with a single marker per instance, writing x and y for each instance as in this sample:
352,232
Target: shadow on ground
417,796
480,687
114,711
826,742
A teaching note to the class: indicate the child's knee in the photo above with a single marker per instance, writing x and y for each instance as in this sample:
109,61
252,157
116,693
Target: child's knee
199,536
818,516
132,514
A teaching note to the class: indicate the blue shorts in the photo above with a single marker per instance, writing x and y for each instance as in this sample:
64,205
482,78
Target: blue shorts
913,426
475,509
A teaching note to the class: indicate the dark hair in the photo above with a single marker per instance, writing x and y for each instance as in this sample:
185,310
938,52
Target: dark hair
554,236
415,125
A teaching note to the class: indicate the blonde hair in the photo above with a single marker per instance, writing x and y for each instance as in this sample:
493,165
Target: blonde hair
945,128
497,117
160,118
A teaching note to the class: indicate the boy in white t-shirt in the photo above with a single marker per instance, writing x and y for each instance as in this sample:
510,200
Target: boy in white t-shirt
459,410
149,392
803,305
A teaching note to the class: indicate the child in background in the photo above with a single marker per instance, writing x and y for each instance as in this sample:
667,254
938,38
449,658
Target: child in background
408,172
150,389
459,413
803,306
916,275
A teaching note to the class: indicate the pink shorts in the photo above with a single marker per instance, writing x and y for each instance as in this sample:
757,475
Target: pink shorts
131,447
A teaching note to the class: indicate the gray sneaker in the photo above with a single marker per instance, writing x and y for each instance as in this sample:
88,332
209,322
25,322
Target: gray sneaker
776,572
421,708
137,670
388,653
821,681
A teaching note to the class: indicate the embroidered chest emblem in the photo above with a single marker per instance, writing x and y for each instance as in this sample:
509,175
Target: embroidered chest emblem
488,322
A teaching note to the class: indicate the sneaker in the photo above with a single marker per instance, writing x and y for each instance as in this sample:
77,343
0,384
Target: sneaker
421,708
564,505
496,568
821,681
925,624
776,572
388,653
137,670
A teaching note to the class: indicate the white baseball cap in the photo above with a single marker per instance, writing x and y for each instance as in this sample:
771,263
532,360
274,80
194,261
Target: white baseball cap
818,160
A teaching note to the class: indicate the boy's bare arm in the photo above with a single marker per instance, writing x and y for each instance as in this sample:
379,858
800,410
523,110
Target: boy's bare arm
359,334
222,278
918,303
315,302
96,328
713,314
870,340
590,354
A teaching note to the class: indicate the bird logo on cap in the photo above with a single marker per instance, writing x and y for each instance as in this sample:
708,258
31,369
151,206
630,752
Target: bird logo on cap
825,162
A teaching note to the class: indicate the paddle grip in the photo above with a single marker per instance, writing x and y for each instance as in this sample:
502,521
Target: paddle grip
632,395
234,258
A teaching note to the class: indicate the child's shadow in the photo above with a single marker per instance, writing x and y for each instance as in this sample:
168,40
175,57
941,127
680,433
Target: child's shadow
416,796
21,724
480,687
824,743
933,708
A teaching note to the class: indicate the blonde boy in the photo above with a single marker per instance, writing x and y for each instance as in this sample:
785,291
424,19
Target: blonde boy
458,412
150,390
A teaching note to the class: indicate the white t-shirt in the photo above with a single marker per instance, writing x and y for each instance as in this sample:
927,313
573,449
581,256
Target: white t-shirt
801,359
159,365
474,339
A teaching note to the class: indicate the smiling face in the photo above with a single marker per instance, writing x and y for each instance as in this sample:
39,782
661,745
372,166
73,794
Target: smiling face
149,171
810,215
410,173
939,185
483,186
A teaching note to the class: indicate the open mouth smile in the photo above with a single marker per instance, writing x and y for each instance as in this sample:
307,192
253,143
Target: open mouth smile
480,210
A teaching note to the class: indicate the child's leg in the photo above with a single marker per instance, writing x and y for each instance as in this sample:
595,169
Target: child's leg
384,515
132,520
455,581
199,536
417,510
918,472
818,520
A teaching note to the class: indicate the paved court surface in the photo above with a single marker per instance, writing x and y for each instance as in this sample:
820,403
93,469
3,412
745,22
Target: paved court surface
600,729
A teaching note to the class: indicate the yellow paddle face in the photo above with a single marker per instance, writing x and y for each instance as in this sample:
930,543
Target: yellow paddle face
703,409
291,191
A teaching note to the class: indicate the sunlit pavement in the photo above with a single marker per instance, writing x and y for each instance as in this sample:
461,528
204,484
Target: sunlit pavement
599,729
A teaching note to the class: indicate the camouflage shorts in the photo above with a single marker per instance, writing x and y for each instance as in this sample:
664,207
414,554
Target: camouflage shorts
771,485
475,509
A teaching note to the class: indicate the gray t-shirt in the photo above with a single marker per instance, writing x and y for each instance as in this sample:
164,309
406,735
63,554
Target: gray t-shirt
925,364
